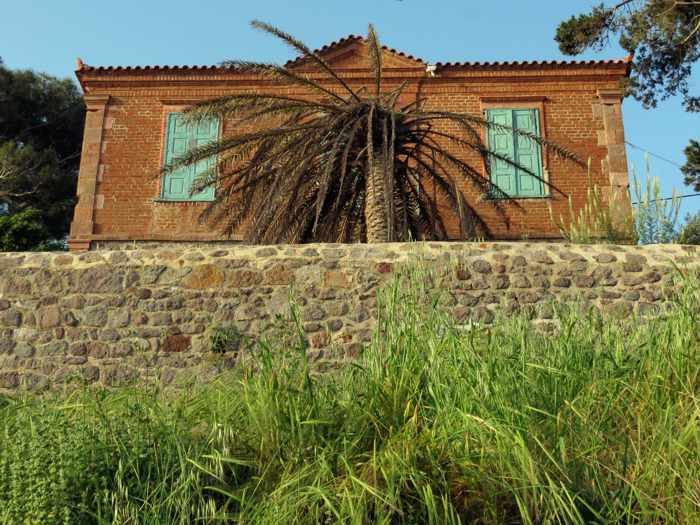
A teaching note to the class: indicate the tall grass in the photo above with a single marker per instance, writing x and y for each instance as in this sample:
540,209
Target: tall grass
597,423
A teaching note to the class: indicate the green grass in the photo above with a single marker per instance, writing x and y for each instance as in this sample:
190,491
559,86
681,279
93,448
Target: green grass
433,424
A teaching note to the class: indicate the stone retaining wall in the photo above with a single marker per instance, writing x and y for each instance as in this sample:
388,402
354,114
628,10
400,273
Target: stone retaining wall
115,316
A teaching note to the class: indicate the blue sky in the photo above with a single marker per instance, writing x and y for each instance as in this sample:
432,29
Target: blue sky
48,35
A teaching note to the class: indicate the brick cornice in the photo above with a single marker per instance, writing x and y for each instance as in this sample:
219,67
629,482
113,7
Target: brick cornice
610,96
96,102
105,78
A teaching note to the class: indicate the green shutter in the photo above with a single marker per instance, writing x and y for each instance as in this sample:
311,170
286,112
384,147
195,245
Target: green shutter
180,138
176,183
528,153
503,174
522,151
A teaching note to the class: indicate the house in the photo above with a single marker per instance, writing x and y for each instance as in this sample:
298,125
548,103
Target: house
133,126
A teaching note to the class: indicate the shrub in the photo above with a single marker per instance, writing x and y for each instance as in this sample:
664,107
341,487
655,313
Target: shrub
690,233
22,231
227,339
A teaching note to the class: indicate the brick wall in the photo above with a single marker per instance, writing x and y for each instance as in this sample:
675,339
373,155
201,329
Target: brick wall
119,186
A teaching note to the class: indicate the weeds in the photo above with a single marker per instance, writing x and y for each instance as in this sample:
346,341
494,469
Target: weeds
597,423
599,219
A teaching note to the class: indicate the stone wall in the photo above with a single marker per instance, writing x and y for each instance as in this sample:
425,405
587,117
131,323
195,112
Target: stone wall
115,316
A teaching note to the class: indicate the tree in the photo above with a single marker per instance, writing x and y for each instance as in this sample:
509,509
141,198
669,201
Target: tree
691,169
41,124
36,179
690,233
22,231
342,164
663,35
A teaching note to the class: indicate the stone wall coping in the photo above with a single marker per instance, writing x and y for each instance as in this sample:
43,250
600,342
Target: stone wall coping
394,252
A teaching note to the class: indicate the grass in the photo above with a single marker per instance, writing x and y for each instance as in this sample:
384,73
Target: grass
597,423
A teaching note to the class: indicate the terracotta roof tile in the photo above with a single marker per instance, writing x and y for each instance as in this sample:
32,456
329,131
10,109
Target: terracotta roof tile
82,67
532,63
353,38
86,67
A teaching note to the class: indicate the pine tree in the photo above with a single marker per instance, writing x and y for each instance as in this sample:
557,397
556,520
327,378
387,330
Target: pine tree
663,36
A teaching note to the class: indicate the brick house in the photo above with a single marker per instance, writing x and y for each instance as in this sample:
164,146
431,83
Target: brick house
133,126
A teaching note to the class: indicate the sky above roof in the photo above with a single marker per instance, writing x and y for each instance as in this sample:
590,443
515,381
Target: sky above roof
48,35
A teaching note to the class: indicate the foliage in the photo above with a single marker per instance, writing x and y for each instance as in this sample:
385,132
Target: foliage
93,457
595,423
656,218
42,111
691,168
41,125
227,339
690,232
22,231
664,36
599,220
580,32
52,245
342,164
31,178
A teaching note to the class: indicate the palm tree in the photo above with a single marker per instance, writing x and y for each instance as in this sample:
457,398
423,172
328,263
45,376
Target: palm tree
343,164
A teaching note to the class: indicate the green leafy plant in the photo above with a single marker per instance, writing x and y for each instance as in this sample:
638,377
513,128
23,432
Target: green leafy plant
227,339
655,217
690,232
343,163
22,231
599,220
52,245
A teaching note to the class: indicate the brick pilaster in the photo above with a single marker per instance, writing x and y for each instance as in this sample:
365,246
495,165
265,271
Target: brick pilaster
614,165
81,228
614,136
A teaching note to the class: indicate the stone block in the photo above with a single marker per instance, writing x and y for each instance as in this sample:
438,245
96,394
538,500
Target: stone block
204,276
49,317
176,344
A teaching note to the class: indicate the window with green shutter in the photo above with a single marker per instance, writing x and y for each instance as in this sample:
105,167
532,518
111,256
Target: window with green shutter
180,138
520,150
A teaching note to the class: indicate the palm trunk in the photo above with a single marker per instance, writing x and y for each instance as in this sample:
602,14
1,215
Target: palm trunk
375,205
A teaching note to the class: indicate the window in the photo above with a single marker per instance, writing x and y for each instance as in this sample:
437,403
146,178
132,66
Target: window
522,151
4,208
180,138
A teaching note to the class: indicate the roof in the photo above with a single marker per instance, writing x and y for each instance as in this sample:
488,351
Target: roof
348,39
337,44
533,63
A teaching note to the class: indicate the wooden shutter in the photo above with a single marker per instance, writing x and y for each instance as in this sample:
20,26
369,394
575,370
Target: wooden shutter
176,184
521,150
180,138
503,174
528,153
202,134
